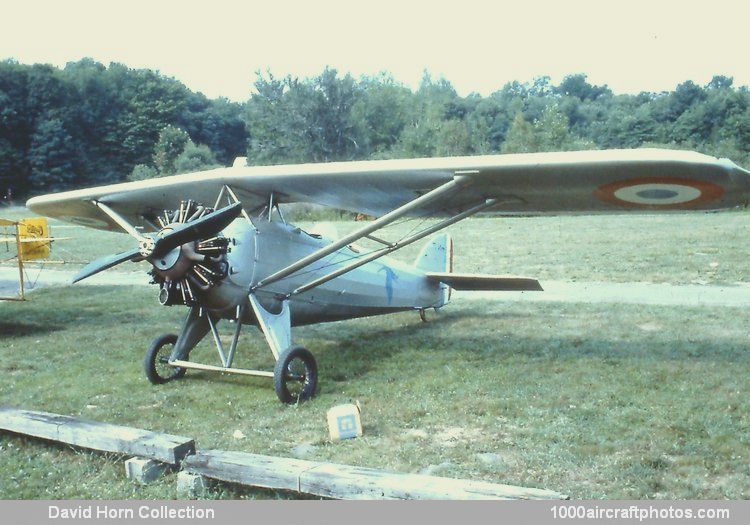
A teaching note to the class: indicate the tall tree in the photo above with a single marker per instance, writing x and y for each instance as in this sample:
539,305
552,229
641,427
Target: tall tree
52,156
195,157
521,137
171,143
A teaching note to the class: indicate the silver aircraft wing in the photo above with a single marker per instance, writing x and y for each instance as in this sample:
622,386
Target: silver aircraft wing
578,182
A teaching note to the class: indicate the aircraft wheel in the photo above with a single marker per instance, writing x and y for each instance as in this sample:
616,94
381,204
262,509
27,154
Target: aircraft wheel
295,376
158,369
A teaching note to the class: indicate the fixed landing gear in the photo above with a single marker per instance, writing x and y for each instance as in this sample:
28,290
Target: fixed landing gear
295,377
156,363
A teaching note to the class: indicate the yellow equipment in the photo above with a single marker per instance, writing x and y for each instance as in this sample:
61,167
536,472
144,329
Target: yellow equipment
24,240
35,239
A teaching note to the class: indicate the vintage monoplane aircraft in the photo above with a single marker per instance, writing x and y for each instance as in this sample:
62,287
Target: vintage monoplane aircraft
219,244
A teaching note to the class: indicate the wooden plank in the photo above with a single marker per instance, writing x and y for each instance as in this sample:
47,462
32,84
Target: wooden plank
97,436
346,482
249,469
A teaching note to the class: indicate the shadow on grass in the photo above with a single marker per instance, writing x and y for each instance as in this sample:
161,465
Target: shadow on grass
227,379
361,349
477,335
20,328
83,307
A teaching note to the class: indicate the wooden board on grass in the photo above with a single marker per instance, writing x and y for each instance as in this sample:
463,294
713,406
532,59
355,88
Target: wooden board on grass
97,436
346,482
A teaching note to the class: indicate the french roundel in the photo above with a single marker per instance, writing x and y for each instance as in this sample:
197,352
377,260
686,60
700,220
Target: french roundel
659,192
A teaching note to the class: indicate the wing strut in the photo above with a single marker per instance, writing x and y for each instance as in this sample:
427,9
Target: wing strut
120,220
393,247
455,184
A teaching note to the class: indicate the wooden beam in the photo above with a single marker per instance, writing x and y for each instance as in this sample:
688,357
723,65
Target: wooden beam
144,471
346,482
249,469
97,436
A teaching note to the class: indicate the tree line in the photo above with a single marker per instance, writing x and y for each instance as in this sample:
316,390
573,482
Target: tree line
88,124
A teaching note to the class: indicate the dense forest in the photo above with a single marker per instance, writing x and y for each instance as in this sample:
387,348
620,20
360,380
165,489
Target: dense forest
89,124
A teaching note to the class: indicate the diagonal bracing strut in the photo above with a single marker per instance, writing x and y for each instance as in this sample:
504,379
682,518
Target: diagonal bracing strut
453,185
392,247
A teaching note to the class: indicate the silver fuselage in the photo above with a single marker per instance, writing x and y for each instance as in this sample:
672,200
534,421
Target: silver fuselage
378,287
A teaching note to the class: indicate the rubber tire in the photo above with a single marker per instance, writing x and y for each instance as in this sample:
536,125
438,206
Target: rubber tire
279,375
149,363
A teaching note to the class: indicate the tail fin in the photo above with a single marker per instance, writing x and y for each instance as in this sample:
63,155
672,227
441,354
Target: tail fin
437,257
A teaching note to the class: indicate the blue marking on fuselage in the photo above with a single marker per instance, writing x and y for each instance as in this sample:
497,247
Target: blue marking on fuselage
390,276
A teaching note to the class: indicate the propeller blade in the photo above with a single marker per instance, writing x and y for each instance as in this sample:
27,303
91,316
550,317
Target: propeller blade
103,263
207,226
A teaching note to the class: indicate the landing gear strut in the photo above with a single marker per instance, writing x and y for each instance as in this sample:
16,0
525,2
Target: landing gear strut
295,374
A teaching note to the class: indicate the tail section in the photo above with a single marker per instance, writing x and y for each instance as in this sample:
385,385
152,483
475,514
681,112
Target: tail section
495,283
437,257
436,261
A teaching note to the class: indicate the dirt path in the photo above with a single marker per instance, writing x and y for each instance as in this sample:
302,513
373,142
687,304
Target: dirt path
36,278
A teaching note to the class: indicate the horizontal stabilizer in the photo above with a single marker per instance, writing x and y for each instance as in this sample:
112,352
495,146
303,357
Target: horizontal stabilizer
468,281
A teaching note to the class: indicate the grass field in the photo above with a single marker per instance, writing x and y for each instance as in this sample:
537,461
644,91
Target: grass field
613,401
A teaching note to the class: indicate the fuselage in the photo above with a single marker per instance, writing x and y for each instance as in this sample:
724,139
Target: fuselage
256,251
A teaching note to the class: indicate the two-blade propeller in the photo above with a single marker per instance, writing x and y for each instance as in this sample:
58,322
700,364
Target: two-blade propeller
167,240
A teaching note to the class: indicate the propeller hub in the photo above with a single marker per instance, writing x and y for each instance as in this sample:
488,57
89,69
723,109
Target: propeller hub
146,246
175,264
167,261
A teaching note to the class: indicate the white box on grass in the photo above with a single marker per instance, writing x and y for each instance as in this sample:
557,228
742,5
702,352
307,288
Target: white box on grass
344,422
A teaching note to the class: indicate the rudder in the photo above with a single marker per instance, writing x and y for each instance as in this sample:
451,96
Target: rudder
437,256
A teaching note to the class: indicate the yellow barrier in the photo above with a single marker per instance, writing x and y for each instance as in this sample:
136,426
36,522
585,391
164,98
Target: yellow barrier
36,228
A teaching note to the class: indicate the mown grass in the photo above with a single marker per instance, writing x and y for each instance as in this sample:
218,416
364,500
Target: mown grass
597,401
592,400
